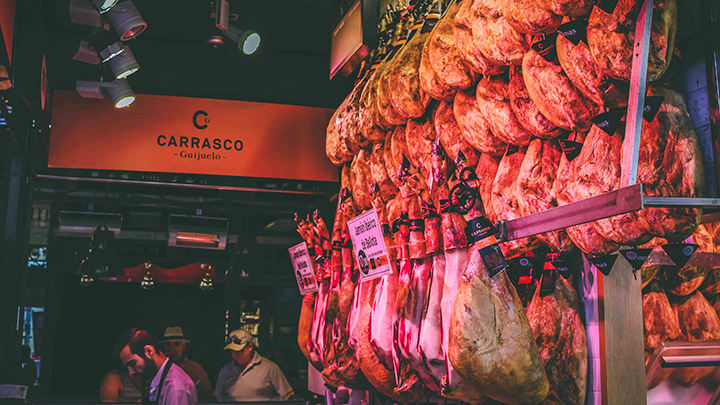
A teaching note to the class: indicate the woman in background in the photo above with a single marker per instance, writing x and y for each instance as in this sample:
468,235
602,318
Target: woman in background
118,386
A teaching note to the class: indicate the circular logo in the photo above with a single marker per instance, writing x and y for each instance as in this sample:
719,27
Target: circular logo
688,250
200,119
524,262
631,255
363,262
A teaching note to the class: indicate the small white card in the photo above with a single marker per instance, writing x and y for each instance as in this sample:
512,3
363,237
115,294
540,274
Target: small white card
369,245
304,273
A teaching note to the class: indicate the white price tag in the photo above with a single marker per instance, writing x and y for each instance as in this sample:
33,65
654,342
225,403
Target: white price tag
13,391
369,245
304,273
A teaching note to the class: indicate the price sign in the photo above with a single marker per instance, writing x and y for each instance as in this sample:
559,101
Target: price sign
369,246
304,273
10,391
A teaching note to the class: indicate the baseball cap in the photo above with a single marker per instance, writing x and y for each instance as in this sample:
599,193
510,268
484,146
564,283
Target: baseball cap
238,339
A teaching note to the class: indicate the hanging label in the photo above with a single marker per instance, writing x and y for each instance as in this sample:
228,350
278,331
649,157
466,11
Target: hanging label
636,257
404,169
652,106
11,391
547,284
603,263
304,273
520,273
416,225
609,121
680,253
478,229
570,148
493,258
574,31
546,47
369,245
607,5
432,17
511,150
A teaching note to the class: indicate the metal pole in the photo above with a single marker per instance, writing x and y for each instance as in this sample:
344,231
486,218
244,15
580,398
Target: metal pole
636,99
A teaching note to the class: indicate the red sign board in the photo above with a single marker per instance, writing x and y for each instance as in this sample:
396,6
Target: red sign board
190,135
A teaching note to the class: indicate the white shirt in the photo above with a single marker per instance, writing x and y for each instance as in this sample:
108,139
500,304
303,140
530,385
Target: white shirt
178,388
261,380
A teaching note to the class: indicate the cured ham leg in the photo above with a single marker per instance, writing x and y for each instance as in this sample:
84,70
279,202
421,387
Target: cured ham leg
491,342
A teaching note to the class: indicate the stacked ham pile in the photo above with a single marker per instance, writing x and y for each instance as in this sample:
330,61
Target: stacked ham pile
487,88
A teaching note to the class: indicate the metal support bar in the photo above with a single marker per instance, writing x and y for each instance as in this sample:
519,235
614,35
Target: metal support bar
680,202
636,99
689,361
626,199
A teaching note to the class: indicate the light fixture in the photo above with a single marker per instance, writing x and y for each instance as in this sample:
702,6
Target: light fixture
249,42
148,280
119,91
102,259
103,6
123,64
126,20
206,284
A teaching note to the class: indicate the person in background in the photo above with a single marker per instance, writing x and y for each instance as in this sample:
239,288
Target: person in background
249,376
174,345
169,385
118,386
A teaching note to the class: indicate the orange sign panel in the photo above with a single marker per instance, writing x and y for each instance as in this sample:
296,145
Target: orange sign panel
7,24
190,135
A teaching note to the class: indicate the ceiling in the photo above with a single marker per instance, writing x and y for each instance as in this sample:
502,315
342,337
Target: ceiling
292,67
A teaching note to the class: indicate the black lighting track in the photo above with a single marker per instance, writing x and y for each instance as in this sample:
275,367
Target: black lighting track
210,182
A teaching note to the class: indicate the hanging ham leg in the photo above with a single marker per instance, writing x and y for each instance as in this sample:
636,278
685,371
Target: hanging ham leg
491,341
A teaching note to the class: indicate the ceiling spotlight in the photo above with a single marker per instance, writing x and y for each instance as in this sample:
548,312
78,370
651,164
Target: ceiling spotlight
126,20
249,42
103,6
124,64
119,91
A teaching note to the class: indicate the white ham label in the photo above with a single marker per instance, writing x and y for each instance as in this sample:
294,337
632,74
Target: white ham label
369,246
302,264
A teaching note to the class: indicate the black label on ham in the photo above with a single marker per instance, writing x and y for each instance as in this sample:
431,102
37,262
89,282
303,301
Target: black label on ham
603,263
574,31
680,253
404,169
432,17
521,275
547,284
570,148
493,258
609,121
636,257
652,106
512,149
417,225
386,229
607,5
479,228
546,47
396,225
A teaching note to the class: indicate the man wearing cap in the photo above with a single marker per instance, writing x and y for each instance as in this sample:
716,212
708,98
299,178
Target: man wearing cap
250,377
169,385
174,345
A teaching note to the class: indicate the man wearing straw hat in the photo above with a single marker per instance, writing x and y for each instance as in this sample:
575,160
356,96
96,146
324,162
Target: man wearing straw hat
174,345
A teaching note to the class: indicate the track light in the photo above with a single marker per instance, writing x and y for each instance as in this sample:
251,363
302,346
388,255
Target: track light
123,64
126,20
103,6
119,91
249,42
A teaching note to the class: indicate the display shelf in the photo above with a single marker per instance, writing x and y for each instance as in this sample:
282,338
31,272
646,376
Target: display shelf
680,354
